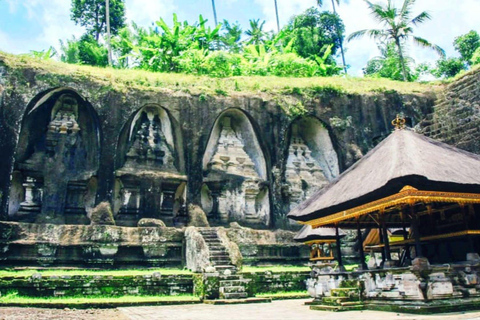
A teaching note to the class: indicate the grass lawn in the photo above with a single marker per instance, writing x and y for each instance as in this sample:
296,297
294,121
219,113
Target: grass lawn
282,294
126,79
85,272
14,298
276,269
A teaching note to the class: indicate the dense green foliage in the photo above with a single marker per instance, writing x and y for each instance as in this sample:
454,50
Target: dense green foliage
303,48
397,28
312,32
449,67
84,51
467,44
91,15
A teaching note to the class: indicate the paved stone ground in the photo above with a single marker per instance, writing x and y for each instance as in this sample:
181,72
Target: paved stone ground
60,314
277,310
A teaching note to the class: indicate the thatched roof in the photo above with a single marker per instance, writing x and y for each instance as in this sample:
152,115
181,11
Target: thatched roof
309,234
403,158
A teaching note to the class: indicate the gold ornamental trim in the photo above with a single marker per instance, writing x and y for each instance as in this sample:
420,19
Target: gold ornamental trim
430,238
407,196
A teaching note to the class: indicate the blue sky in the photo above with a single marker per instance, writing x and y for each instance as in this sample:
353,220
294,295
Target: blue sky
37,24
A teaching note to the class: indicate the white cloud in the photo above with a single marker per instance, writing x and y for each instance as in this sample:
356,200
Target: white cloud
286,9
145,12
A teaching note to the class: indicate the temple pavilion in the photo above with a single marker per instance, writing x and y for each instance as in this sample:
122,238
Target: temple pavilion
426,188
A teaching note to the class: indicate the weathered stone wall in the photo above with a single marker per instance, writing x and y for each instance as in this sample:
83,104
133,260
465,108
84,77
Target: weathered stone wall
154,284
456,115
89,246
271,282
354,122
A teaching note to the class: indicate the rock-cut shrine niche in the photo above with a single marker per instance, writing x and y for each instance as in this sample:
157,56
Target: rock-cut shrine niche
311,162
235,180
150,183
54,178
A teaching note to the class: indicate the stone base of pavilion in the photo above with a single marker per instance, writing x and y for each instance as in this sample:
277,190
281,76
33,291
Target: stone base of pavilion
420,288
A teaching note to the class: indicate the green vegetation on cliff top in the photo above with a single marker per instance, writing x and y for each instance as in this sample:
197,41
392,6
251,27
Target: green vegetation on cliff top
57,73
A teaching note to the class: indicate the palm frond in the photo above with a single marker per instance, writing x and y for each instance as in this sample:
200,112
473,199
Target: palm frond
372,33
421,18
426,44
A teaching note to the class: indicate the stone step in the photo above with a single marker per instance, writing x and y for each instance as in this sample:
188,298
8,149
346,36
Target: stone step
216,248
233,295
232,289
215,242
233,283
219,253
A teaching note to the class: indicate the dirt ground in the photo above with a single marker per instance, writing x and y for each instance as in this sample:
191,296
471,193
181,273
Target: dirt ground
60,314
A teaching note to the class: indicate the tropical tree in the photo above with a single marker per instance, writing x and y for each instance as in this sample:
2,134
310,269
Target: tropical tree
230,39
313,31
467,44
255,33
398,27
320,4
91,14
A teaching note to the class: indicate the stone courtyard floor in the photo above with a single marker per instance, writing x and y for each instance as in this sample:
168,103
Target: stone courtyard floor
277,310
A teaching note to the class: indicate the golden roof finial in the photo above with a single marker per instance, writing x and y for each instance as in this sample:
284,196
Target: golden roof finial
399,122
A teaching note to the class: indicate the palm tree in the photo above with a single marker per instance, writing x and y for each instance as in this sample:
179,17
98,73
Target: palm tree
276,13
256,33
214,13
398,27
320,3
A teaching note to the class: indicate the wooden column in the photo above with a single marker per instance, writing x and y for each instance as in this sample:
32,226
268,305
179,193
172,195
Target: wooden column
363,264
405,236
416,234
339,249
470,245
380,236
386,247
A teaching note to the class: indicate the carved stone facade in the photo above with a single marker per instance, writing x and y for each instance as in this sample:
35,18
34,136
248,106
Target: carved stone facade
234,190
57,171
303,175
149,184
311,162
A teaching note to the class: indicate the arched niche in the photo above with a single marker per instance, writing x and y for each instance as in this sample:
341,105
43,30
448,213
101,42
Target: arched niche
312,161
57,159
235,184
149,168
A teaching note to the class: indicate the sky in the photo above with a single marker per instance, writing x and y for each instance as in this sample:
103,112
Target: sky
38,24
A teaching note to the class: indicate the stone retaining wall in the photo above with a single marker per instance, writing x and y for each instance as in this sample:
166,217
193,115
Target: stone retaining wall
456,115
148,284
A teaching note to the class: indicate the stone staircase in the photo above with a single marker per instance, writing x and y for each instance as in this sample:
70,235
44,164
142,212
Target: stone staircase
230,285
219,257
233,287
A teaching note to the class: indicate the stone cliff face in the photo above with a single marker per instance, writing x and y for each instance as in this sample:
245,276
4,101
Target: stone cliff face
69,144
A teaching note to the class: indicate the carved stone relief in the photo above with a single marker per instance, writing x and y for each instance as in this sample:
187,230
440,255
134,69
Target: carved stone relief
234,190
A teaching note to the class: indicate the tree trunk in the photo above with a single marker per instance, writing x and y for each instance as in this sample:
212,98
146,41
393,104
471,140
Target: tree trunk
214,13
402,60
341,42
276,12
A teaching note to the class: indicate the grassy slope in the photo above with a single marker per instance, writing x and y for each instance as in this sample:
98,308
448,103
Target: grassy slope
122,79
